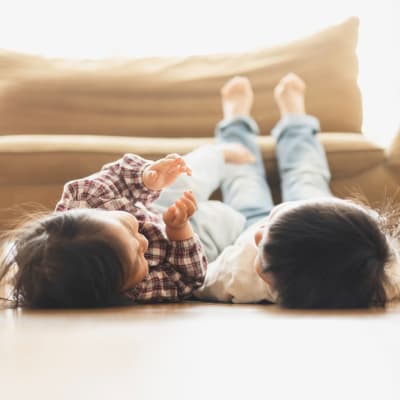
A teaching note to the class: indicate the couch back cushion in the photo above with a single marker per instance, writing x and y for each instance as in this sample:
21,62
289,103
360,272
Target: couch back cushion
176,97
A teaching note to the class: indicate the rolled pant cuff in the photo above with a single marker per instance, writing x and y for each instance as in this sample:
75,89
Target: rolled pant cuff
292,120
237,121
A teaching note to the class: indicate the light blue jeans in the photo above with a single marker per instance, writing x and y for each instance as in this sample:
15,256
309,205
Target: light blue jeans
302,163
303,169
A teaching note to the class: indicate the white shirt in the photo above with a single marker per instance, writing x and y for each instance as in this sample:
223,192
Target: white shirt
232,276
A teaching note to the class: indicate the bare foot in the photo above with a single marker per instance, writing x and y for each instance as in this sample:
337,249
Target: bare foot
237,153
289,95
237,97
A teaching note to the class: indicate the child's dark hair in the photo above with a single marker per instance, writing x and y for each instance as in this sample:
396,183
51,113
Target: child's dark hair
327,255
63,261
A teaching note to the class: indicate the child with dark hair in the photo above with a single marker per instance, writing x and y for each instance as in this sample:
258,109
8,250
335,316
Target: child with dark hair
123,235
313,250
111,242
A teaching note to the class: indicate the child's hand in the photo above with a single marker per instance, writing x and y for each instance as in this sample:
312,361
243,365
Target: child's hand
177,216
163,173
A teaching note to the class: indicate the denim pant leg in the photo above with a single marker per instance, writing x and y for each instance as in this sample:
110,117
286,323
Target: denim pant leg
244,186
302,162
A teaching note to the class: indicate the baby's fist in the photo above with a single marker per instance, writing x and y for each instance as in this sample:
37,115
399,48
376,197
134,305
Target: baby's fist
177,216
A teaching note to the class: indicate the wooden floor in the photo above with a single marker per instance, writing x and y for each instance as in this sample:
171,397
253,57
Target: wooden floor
199,351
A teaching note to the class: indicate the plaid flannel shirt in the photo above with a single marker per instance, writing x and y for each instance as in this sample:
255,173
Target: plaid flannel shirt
176,268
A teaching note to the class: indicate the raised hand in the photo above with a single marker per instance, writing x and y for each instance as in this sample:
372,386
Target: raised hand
163,173
177,216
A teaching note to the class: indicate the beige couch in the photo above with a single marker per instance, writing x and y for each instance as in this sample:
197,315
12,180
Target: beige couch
63,119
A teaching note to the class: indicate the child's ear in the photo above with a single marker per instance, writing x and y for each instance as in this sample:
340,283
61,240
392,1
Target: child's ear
265,276
259,234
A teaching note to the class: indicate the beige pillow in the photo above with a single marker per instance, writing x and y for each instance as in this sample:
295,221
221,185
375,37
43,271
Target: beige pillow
176,96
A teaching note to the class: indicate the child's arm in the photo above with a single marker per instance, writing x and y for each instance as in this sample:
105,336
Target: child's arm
119,185
185,262
175,281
